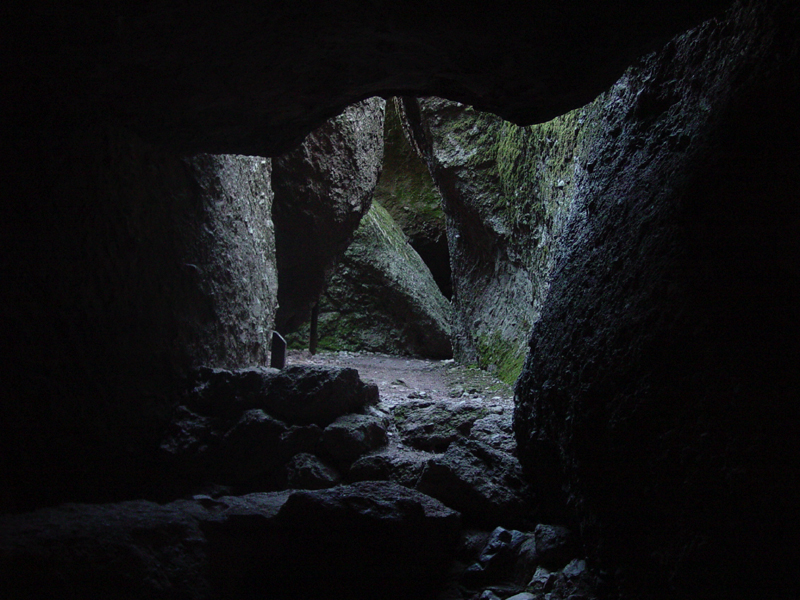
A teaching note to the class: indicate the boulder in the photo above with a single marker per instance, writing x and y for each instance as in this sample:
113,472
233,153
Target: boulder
401,467
298,394
311,394
484,484
434,425
322,189
351,436
501,218
344,542
307,472
382,297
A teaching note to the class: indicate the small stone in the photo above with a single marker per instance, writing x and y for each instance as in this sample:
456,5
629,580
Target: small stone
307,472
418,395
399,382
543,579
522,596
575,568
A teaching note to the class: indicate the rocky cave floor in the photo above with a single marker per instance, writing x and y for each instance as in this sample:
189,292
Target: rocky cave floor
341,475
449,434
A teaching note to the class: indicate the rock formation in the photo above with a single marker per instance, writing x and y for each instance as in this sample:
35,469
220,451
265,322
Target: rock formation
660,388
322,189
150,265
408,193
506,191
382,297
657,408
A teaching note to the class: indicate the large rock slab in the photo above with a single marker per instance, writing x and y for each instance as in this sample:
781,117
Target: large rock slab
506,191
322,189
382,297
344,542
170,263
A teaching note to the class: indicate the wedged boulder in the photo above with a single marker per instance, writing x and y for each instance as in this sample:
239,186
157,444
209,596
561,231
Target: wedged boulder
482,483
344,542
322,189
298,394
433,425
382,297
351,436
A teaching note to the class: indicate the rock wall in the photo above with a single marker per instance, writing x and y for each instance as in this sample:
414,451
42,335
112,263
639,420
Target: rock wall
382,297
130,266
659,397
506,190
322,189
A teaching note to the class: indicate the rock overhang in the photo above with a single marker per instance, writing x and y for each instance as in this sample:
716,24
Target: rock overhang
255,80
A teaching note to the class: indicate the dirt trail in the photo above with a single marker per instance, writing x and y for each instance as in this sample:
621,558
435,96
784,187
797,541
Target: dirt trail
400,378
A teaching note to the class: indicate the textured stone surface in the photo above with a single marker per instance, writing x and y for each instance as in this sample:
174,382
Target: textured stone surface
408,193
659,396
309,544
506,192
433,425
307,472
382,297
351,436
322,189
485,485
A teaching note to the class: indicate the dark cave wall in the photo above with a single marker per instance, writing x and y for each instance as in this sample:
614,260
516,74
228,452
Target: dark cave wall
125,266
322,190
659,397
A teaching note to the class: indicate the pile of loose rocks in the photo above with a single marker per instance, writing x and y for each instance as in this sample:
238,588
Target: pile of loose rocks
304,482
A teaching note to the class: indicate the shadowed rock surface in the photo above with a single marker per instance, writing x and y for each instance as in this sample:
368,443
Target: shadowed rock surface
353,539
662,379
322,189
256,79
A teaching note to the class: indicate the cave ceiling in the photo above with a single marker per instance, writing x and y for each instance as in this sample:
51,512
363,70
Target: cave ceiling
254,78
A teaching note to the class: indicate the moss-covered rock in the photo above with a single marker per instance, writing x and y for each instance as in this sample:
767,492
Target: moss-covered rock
406,190
382,297
506,190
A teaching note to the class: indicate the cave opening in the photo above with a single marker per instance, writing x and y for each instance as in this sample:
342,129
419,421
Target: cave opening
657,394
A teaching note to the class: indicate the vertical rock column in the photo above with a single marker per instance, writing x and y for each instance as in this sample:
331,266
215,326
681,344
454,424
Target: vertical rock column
131,265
